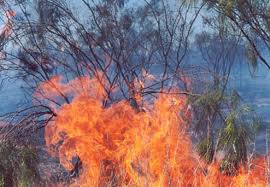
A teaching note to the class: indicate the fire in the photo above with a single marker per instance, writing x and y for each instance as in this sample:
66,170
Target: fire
119,146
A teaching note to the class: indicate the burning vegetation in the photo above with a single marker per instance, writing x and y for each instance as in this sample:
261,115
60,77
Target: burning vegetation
126,93
117,145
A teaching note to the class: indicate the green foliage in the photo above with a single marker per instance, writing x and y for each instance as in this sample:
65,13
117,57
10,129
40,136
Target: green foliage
234,139
251,20
18,165
205,149
239,130
206,106
228,126
209,99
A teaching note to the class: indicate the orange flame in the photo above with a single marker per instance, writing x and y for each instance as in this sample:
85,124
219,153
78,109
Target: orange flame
121,147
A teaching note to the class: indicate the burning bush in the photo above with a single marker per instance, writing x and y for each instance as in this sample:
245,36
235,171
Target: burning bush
120,146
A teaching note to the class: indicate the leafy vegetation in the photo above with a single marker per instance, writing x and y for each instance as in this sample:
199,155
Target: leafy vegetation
236,126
